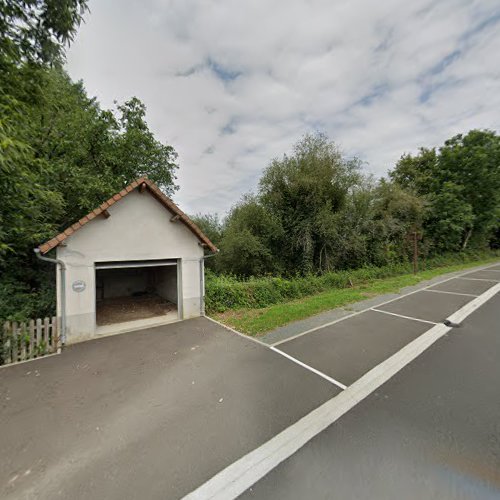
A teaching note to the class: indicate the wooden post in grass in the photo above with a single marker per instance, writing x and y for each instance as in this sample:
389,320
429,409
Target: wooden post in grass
415,253
414,236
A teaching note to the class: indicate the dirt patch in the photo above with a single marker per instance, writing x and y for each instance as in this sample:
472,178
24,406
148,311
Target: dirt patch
121,309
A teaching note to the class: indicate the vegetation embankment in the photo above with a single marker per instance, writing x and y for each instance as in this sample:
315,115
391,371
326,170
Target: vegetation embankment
61,153
322,231
316,222
259,305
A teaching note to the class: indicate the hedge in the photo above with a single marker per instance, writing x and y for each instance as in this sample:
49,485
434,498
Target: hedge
225,292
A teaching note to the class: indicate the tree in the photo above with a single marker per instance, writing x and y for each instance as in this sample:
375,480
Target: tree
211,225
251,235
61,155
396,214
305,192
461,183
315,212
38,30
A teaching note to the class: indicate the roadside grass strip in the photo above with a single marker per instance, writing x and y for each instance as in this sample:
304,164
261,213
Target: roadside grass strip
242,474
258,321
320,327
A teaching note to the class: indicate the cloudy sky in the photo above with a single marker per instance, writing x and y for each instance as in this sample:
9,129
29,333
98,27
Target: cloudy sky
232,83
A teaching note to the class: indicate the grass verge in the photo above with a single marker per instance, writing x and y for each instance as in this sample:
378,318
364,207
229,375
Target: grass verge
259,321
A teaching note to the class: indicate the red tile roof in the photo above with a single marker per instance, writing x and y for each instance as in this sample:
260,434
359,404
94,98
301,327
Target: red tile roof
155,191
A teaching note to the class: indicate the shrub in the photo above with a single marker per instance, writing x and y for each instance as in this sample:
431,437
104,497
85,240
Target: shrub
224,292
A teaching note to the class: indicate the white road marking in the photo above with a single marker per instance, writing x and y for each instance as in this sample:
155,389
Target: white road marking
240,475
479,279
403,316
378,305
248,337
470,307
291,358
319,327
452,293
310,368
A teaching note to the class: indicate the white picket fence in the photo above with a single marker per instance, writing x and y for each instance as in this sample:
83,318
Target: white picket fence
23,341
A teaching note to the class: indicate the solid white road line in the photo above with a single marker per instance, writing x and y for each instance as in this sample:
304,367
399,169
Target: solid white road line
452,293
479,279
470,307
284,354
247,337
240,475
310,368
347,316
378,305
405,317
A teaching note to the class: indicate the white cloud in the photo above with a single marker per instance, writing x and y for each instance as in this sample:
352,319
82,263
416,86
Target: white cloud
232,84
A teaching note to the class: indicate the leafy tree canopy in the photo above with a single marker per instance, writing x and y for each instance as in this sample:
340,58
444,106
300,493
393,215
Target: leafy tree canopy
61,154
461,183
38,30
314,212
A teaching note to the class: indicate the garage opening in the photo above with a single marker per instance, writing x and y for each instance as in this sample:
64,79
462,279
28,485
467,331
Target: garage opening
144,292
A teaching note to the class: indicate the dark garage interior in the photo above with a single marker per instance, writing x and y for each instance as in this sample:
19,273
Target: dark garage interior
134,291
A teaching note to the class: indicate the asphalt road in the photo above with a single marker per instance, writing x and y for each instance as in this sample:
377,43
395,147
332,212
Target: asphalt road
161,412
432,431
149,414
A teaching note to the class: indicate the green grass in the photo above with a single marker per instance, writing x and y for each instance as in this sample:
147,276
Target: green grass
259,321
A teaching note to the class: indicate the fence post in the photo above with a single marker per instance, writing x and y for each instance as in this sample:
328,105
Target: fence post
15,342
31,346
28,340
46,337
7,343
55,334
38,337
22,337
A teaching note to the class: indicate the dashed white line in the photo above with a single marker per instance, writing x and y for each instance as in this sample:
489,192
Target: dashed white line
403,316
242,474
452,293
460,276
310,368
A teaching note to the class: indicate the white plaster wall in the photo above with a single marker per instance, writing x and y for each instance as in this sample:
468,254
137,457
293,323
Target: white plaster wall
139,228
166,283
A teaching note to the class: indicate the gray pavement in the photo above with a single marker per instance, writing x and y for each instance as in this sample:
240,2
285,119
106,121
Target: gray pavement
460,285
427,305
149,414
432,431
318,320
350,347
156,413
484,275
347,350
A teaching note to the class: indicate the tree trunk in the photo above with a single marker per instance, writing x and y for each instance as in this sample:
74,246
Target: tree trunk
467,236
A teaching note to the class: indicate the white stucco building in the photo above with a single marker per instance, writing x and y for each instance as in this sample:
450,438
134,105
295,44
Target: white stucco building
135,261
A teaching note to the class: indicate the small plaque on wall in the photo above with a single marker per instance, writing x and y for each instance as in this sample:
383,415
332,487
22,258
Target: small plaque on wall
78,286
